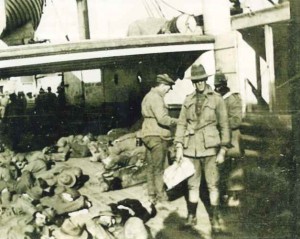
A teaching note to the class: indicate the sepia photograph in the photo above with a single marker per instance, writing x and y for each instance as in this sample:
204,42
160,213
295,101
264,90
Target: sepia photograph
149,119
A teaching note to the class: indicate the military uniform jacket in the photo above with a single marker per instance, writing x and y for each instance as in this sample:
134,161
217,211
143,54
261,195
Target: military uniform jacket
234,109
157,122
203,135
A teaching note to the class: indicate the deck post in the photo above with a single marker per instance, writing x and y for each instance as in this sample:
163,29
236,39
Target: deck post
269,45
83,19
293,71
216,17
2,16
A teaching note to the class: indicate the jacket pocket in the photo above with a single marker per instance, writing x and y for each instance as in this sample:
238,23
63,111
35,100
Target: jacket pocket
209,112
211,137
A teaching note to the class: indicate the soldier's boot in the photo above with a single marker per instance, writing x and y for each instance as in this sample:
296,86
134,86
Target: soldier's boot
192,210
217,222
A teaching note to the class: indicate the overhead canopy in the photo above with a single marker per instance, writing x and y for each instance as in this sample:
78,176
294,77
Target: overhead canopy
48,58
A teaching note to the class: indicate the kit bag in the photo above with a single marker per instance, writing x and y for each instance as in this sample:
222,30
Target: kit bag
79,150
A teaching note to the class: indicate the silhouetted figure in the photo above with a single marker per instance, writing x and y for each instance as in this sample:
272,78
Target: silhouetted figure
40,102
51,101
21,103
30,103
61,97
12,107
14,122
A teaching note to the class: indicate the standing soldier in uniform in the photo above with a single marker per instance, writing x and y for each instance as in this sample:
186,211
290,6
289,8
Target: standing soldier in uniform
156,134
234,109
4,101
202,135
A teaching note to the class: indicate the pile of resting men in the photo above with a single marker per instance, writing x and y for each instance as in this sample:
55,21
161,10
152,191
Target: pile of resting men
42,192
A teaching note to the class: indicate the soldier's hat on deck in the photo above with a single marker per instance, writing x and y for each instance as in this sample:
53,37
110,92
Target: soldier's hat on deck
66,179
70,230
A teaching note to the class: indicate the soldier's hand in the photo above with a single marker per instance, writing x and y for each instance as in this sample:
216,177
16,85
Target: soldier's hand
221,156
179,153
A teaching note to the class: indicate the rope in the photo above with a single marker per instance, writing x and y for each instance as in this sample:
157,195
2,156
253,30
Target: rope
147,8
294,78
153,6
159,8
271,1
167,4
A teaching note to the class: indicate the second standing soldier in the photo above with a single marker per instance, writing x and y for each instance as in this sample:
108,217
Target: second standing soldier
234,175
156,134
202,135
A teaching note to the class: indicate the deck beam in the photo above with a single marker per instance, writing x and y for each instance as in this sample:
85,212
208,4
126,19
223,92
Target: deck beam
278,13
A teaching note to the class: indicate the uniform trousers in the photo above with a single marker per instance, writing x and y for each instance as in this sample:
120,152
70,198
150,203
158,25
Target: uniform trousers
211,172
156,152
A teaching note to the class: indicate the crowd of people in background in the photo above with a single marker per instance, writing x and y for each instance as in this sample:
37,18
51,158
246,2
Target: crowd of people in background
17,104
24,115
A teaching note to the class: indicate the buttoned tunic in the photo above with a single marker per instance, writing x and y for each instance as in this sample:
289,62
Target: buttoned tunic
202,133
234,109
157,122
156,131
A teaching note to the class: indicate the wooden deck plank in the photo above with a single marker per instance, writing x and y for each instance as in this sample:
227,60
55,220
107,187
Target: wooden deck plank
171,215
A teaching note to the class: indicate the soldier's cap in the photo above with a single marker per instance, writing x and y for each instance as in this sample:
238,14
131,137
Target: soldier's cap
165,79
220,79
198,73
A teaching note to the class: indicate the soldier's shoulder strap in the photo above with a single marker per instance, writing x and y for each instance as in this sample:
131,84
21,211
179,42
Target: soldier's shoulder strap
227,95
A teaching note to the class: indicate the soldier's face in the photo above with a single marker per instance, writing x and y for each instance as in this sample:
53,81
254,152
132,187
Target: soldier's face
166,88
218,88
40,219
199,85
